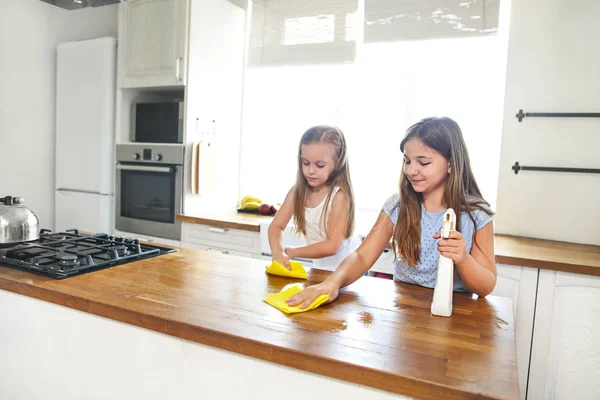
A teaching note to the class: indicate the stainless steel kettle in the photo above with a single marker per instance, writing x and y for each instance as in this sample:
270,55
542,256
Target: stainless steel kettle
17,222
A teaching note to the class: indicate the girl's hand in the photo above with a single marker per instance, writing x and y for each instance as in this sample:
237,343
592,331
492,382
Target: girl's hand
308,295
290,251
283,259
454,247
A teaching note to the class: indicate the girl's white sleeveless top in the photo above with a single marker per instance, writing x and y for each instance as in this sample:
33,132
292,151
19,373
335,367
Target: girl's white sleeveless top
316,232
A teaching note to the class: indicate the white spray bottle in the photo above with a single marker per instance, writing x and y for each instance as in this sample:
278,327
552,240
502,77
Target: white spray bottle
444,284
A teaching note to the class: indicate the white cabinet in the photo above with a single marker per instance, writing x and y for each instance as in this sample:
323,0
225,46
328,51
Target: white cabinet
213,238
218,250
385,263
565,357
519,284
152,43
149,239
289,238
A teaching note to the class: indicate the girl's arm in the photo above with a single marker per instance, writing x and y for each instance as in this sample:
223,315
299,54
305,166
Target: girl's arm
353,267
336,232
478,269
279,223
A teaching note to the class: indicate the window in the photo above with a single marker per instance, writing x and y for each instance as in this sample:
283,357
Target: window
385,65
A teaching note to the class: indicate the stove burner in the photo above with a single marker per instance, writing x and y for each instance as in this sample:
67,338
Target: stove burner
68,261
120,250
65,254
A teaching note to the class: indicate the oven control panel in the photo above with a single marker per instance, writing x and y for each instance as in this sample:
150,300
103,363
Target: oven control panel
133,152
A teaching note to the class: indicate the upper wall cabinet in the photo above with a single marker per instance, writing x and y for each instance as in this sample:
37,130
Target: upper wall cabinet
153,43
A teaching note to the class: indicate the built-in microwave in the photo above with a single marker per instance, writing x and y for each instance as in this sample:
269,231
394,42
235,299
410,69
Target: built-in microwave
157,122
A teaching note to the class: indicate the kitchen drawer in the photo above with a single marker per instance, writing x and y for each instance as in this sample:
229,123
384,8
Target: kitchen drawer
223,238
216,250
385,263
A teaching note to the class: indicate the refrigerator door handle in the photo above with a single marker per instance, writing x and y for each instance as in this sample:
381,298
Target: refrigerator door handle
80,191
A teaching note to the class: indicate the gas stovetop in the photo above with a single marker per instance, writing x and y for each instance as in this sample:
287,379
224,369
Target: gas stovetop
65,254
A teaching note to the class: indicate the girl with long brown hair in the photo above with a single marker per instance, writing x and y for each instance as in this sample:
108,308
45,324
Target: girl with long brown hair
321,202
436,176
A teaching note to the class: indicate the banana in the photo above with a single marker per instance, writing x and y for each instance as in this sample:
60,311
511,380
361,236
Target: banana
251,205
250,199
245,199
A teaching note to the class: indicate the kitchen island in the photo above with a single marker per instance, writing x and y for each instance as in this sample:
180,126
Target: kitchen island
193,324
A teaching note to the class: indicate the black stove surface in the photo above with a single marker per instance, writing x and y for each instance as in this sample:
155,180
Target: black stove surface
65,254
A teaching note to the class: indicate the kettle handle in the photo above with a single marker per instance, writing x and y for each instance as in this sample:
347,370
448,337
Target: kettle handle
9,200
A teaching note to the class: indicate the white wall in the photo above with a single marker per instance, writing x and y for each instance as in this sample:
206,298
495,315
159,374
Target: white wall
214,92
29,33
553,65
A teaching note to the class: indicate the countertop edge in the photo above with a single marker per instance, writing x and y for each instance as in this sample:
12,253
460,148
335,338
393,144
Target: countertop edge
219,223
380,380
549,265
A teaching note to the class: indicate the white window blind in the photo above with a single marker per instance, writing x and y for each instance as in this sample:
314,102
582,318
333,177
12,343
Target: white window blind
300,32
389,85
397,20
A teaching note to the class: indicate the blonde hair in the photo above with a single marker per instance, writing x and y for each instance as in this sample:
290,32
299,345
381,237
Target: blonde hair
339,176
461,192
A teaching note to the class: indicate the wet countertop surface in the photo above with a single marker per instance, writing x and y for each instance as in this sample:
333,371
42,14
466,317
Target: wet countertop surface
378,333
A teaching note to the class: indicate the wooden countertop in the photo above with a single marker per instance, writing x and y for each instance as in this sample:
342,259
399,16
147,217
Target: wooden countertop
378,333
512,250
548,254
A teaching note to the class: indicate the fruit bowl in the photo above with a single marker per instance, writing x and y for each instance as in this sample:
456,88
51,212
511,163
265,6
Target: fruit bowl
253,205
243,210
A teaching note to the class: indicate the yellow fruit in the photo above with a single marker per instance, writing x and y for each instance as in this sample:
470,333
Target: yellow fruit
251,205
250,199
245,199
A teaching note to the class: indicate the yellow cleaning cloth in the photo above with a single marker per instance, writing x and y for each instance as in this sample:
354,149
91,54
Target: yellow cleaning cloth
296,272
277,300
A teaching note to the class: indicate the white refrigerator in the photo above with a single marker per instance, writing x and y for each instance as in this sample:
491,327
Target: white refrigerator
85,135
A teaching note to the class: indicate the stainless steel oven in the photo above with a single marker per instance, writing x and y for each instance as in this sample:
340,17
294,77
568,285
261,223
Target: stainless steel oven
149,192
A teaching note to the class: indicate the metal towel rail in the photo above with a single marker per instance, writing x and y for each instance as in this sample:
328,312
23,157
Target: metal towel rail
520,115
517,167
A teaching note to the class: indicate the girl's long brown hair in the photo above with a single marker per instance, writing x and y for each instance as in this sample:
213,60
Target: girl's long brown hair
461,192
340,176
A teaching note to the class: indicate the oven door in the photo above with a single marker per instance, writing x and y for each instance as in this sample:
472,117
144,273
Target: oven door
148,198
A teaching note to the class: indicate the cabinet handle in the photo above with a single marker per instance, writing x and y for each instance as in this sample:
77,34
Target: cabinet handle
218,251
178,69
217,230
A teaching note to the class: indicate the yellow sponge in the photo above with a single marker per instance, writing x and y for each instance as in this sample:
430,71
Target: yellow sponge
277,300
296,272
